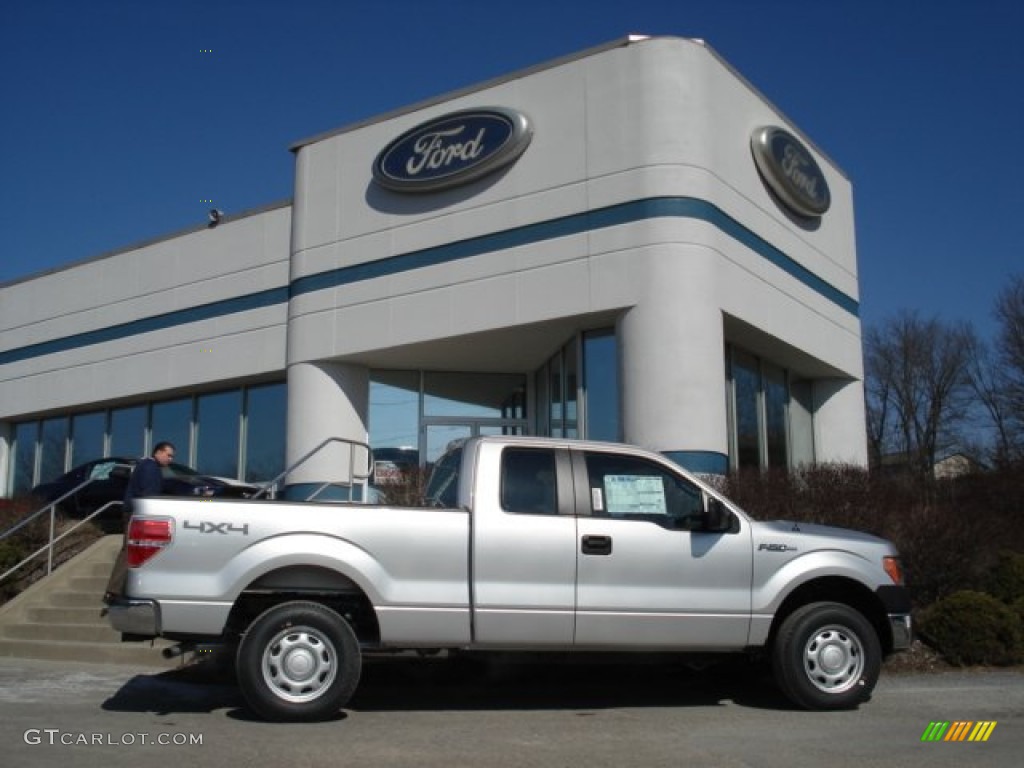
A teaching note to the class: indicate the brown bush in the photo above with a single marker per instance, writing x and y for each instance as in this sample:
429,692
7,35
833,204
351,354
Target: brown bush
949,533
29,539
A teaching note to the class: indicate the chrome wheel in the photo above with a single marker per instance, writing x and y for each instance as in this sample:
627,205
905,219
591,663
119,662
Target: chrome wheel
299,664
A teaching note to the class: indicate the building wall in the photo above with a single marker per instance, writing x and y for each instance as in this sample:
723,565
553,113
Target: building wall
637,206
207,306
637,199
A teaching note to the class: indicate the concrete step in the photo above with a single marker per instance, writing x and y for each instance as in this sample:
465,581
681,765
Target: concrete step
60,617
66,599
100,569
90,585
60,633
52,615
103,653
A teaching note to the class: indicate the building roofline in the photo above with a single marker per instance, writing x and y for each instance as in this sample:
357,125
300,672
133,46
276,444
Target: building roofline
225,220
467,90
621,42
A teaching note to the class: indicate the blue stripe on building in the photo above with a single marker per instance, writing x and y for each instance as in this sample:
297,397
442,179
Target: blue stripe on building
602,218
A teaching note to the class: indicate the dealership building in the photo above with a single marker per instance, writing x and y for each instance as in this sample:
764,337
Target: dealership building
629,243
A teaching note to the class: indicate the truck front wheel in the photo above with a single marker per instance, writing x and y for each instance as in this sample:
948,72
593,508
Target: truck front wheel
826,656
298,661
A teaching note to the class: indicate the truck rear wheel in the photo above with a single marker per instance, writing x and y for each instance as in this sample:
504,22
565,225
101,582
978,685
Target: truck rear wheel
826,656
298,661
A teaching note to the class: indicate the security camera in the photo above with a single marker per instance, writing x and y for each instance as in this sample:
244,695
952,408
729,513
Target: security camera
214,216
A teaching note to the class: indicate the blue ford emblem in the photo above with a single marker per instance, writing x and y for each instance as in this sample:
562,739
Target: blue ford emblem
452,149
789,169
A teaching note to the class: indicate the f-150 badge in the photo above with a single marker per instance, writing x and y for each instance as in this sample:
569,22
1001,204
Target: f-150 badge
775,548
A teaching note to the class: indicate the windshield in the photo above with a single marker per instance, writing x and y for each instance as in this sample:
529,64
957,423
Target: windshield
178,470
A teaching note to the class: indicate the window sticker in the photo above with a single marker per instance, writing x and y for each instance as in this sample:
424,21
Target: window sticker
634,495
101,471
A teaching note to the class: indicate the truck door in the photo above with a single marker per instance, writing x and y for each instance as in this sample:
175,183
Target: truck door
645,577
524,548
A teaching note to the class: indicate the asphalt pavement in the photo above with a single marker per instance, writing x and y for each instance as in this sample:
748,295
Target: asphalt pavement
503,714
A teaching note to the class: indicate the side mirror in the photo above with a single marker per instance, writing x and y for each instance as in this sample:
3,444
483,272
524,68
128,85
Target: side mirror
717,517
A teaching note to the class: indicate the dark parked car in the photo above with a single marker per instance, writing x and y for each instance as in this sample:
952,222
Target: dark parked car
110,478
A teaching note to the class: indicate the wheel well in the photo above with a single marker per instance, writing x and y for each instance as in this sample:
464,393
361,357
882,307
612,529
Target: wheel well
321,585
837,589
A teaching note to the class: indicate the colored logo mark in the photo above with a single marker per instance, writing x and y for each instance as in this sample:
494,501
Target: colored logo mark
959,730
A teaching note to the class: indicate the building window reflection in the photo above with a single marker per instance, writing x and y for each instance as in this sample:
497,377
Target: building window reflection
266,414
569,405
207,431
770,413
127,432
218,419
88,437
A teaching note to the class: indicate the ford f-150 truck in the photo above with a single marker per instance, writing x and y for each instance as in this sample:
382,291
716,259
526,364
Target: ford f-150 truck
526,544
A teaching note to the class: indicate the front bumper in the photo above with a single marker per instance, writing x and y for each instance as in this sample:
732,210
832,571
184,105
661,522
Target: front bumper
902,630
896,602
135,617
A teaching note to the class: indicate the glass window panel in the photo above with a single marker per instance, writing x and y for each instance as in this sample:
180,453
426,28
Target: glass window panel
634,488
775,397
218,418
440,437
171,422
470,395
555,389
746,384
23,462
265,432
543,394
571,397
801,422
54,449
87,432
601,385
528,481
128,432
394,409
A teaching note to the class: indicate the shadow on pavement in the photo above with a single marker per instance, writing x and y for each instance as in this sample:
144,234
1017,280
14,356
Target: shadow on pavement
493,682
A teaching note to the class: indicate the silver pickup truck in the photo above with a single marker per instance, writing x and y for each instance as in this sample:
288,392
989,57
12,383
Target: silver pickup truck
525,544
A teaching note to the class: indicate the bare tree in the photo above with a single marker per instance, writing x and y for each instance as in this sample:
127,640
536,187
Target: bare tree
919,390
1009,312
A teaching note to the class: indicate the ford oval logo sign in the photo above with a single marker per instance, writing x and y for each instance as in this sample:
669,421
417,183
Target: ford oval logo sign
789,169
453,149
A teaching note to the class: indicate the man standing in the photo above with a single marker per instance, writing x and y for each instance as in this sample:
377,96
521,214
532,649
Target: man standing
147,480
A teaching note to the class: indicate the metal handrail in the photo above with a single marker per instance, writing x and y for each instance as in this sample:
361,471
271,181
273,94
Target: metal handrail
52,506
53,540
316,449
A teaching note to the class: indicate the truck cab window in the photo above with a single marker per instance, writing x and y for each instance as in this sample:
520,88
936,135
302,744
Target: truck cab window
629,487
528,481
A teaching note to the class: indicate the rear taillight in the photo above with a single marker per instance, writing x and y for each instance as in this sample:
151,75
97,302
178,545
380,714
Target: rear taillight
146,537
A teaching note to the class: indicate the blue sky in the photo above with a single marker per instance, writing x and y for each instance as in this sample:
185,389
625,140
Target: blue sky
117,126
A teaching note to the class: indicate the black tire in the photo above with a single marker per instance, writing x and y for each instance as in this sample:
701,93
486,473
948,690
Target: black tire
826,656
298,661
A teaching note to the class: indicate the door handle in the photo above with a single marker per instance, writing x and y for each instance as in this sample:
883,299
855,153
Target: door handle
596,545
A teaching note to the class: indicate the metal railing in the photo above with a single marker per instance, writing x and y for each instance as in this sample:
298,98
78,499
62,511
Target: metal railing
53,538
364,477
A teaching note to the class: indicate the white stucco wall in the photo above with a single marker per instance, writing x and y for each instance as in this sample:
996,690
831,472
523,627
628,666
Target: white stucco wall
239,258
